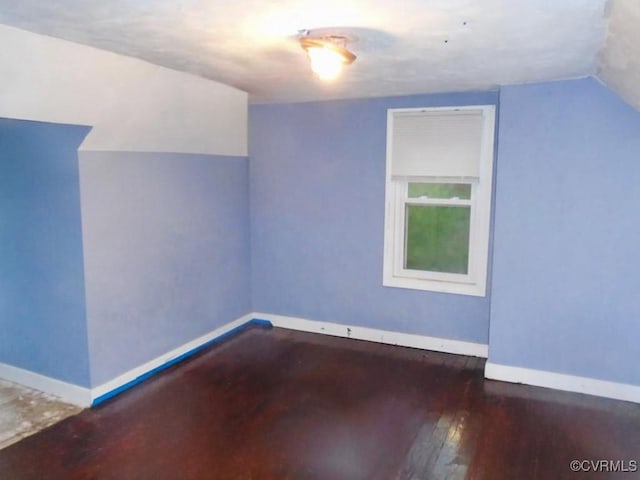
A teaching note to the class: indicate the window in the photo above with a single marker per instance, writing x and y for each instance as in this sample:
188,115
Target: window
438,198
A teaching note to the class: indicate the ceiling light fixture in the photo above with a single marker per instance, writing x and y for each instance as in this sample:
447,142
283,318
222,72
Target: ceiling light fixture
327,54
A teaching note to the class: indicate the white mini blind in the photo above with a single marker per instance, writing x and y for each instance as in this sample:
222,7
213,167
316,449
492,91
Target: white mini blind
436,144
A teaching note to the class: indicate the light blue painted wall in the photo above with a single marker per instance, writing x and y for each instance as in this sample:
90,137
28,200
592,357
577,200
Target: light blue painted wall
166,240
166,237
42,303
317,217
567,233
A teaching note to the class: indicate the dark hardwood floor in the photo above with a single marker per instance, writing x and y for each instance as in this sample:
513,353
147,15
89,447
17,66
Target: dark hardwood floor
278,404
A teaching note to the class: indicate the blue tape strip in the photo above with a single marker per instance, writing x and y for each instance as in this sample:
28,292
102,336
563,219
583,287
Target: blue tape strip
261,323
253,322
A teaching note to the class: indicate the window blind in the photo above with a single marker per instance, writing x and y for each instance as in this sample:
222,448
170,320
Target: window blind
436,144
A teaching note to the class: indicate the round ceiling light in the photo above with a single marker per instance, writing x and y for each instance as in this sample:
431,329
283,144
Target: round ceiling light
327,54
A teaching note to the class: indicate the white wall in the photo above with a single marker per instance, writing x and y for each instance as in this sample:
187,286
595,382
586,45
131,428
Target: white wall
132,105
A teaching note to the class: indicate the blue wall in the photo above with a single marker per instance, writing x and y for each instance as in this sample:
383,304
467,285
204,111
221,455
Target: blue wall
567,232
166,237
42,304
166,240
317,217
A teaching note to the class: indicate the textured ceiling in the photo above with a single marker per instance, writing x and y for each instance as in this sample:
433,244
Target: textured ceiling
404,47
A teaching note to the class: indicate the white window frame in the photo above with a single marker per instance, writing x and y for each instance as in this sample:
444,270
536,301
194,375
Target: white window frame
396,199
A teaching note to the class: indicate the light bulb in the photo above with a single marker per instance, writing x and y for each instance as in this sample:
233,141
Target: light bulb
325,62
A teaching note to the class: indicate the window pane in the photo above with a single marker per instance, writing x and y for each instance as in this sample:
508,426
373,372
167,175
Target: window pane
440,190
437,238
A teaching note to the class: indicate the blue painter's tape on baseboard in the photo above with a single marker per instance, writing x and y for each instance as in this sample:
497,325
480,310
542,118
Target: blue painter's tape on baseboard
253,322
261,323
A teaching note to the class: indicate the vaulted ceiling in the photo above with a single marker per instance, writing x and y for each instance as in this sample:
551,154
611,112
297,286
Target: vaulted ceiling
404,47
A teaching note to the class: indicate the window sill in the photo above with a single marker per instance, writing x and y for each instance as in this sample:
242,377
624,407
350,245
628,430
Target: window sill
472,289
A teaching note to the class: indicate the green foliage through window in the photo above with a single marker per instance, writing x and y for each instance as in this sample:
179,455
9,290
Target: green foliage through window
440,190
437,238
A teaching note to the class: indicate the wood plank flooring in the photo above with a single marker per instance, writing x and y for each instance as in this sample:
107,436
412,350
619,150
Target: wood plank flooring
279,404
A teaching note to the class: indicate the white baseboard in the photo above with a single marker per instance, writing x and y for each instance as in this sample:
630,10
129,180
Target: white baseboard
86,397
560,381
375,335
67,392
112,386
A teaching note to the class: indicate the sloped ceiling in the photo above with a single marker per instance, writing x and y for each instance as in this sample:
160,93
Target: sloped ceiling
410,46
619,60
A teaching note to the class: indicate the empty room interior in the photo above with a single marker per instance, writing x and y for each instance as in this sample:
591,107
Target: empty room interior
334,240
